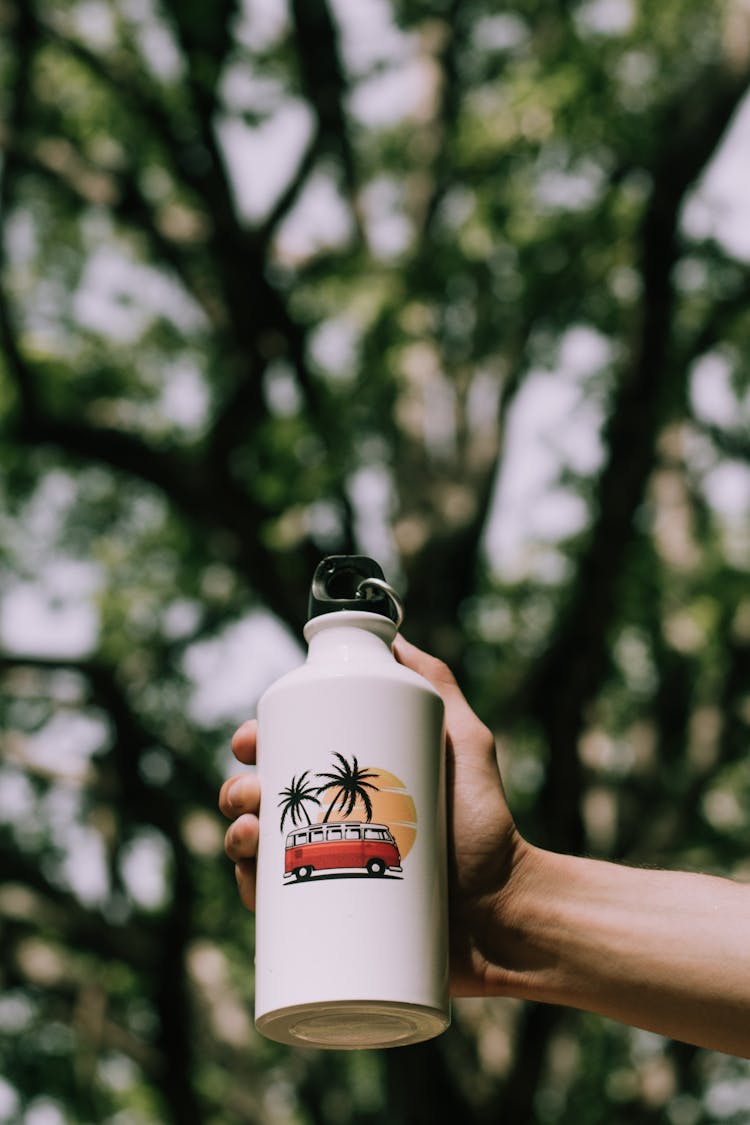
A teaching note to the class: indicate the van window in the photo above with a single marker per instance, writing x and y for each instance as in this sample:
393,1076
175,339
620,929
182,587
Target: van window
299,838
353,834
316,834
334,834
375,834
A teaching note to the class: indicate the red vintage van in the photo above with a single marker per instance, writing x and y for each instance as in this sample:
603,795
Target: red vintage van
341,846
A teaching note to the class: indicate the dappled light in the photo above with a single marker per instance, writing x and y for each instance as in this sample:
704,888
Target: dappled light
466,290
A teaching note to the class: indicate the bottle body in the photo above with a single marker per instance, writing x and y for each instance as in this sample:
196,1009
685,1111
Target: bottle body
351,924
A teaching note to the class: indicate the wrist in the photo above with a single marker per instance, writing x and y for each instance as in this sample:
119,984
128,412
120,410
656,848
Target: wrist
493,943
662,950
521,958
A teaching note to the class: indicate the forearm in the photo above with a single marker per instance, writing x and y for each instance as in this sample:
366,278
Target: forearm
666,951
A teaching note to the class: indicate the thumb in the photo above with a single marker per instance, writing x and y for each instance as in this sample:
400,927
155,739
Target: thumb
464,727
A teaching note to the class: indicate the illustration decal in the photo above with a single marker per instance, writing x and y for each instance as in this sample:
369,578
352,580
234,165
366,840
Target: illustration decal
349,784
293,800
366,823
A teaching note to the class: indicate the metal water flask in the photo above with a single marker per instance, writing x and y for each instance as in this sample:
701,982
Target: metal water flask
351,922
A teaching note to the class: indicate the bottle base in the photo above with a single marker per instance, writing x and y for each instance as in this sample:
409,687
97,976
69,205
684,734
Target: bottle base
348,1025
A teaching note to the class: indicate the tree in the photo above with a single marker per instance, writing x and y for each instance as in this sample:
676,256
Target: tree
293,800
276,283
350,784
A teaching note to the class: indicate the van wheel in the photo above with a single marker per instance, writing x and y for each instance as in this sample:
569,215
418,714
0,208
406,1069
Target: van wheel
376,867
302,873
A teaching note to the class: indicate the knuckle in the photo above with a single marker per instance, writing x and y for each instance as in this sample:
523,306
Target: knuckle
241,838
244,731
442,671
488,735
223,802
436,670
230,842
485,738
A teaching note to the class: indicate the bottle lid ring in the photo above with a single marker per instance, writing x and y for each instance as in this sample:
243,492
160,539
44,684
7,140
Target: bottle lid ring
386,588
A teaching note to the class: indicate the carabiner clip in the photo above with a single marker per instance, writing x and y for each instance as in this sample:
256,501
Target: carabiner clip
387,589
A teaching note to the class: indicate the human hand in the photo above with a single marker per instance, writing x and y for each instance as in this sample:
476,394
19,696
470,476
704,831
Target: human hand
239,799
560,929
486,852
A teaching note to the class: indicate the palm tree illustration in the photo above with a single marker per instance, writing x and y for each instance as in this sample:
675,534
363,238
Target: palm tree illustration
349,783
293,799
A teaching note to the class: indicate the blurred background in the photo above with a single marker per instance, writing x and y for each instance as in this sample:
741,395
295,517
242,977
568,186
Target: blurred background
462,285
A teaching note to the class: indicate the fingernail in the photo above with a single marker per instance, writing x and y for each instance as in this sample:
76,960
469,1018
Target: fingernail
234,794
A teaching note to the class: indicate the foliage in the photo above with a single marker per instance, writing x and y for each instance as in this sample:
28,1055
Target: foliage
285,280
293,799
349,783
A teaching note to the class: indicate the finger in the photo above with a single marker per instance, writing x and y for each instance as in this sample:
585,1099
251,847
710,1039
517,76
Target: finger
244,742
241,839
245,874
240,794
463,724
435,671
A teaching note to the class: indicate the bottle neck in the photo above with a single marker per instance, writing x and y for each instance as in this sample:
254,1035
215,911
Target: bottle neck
348,637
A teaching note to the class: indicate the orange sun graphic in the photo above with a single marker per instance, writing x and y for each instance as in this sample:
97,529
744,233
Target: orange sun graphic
391,805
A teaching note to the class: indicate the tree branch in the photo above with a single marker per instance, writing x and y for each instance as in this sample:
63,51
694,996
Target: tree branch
170,942
572,670
132,942
66,997
448,112
326,86
137,92
23,48
290,194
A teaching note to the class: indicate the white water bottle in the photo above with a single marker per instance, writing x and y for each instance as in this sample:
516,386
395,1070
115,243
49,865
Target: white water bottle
351,920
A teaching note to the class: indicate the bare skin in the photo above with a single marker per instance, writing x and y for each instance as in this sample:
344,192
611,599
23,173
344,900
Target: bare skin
666,951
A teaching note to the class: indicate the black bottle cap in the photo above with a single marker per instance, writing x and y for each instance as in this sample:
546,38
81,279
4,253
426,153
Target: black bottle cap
337,584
